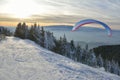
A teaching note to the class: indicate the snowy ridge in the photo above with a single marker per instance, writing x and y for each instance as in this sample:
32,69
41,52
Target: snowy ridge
24,60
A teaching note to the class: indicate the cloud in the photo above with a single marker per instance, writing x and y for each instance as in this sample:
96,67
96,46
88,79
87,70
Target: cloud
88,8
7,17
71,11
55,18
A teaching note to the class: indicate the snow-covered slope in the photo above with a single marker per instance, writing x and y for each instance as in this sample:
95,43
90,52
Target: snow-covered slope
24,60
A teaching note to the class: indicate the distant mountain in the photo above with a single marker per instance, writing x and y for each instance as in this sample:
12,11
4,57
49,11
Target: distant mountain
12,29
58,27
68,27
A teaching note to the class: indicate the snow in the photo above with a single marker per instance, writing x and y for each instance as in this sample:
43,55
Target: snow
25,60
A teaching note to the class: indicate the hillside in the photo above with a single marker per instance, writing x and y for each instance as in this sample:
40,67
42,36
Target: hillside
24,60
109,52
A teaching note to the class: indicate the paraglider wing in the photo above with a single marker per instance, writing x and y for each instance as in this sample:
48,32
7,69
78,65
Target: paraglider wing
89,21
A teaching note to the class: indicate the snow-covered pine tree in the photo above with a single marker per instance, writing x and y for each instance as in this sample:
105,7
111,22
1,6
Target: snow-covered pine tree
49,41
21,31
100,62
85,54
35,34
91,59
72,50
86,47
78,53
108,66
114,67
64,46
57,48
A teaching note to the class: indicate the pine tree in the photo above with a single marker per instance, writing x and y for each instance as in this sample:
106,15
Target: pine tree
91,58
64,46
72,50
86,47
114,67
21,31
100,61
35,34
17,31
43,36
49,41
57,48
24,31
42,31
108,66
78,53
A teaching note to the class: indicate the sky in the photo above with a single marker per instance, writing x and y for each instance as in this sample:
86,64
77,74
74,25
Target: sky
59,12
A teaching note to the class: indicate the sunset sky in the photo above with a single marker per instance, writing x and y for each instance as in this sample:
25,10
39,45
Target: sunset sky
59,12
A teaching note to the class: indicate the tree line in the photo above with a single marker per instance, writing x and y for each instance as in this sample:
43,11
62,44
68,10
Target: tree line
4,32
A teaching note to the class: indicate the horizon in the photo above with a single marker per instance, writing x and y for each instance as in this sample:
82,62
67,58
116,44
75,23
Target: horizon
57,12
85,27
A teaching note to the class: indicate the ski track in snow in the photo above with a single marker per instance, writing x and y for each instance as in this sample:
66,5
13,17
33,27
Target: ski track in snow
24,60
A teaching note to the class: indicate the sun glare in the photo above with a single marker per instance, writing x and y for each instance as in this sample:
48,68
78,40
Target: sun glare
24,8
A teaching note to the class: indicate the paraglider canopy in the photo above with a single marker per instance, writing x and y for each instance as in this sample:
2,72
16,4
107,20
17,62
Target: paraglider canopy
89,21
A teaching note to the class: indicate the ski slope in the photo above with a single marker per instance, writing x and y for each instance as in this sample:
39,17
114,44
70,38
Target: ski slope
24,60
